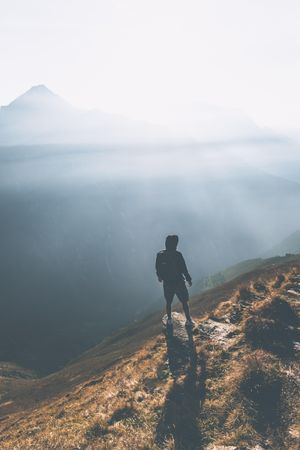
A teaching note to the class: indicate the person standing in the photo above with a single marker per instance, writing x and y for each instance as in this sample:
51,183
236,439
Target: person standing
171,270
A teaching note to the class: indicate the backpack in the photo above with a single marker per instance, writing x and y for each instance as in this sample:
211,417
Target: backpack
167,267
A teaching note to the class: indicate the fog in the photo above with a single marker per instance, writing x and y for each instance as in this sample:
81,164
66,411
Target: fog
80,227
41,117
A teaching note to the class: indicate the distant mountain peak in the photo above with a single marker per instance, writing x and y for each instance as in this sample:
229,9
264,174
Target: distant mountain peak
40,116
39,89
39,96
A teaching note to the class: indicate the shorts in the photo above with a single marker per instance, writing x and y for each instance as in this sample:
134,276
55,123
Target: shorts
177,288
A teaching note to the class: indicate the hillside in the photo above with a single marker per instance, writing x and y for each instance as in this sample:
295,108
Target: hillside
289,245
236,270
40,116
75,219
232,382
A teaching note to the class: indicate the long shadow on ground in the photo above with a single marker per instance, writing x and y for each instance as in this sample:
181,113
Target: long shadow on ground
185,397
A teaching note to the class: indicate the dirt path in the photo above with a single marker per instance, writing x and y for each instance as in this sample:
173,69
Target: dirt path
186,395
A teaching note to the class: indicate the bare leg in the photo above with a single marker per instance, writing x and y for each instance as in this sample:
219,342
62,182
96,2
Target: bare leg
169,310
186,310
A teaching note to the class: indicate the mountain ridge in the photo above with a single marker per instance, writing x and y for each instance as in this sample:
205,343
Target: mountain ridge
63,123
39,116
136,378
291,244
35,93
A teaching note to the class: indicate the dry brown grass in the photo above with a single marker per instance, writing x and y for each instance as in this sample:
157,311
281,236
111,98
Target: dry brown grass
104,415
251,395
235,396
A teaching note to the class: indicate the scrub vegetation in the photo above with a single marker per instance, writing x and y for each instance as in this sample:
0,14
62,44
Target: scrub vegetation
233,382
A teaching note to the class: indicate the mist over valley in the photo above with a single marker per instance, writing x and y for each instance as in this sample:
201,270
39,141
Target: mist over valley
81,223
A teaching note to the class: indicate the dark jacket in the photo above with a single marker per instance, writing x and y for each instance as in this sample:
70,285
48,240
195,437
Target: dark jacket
170,266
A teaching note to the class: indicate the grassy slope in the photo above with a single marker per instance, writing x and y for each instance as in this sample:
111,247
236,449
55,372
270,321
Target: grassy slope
128,374
236,270
289,245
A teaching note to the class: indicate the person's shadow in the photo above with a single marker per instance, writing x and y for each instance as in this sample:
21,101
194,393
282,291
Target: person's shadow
184,399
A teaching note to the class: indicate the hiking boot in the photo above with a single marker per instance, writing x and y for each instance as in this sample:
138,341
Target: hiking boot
190,323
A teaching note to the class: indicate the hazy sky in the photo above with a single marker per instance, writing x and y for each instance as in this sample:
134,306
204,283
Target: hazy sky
142,57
